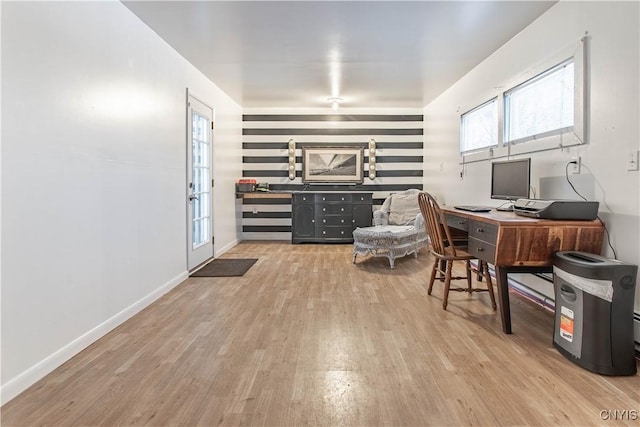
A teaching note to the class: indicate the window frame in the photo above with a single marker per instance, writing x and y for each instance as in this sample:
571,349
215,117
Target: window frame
507,105
558,139
494,100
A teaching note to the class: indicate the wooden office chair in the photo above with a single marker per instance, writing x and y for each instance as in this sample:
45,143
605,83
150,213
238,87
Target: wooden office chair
445,250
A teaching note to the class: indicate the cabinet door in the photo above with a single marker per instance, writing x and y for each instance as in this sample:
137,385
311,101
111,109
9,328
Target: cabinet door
362,215
302,221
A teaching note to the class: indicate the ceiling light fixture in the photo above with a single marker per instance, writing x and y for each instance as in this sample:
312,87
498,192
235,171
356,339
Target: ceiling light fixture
335,102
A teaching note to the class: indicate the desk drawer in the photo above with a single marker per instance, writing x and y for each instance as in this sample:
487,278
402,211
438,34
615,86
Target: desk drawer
482,250
483,231
457,222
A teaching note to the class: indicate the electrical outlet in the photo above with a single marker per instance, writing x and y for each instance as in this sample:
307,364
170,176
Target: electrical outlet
632,161
577,163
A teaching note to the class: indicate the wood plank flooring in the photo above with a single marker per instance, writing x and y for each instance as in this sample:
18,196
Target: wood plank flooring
306,337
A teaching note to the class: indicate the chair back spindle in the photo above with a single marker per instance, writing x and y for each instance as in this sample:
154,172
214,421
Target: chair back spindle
437,228
445,252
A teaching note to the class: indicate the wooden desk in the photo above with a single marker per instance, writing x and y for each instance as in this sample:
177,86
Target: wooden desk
518,244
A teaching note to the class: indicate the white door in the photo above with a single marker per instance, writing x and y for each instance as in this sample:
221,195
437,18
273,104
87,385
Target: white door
199,183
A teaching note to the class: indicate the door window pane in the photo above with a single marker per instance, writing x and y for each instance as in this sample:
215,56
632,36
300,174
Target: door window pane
201,173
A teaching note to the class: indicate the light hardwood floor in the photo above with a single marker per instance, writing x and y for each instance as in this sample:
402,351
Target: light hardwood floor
305,337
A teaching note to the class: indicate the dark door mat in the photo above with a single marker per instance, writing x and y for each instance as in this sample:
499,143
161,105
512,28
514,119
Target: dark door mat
225,268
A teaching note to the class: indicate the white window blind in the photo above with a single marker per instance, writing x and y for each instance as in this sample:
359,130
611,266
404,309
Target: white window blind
541,106
479,127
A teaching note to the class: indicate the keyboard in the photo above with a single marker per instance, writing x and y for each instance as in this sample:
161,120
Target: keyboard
474,208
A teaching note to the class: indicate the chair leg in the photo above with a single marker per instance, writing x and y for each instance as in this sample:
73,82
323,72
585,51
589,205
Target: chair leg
469,287
447,282
433,276
487,277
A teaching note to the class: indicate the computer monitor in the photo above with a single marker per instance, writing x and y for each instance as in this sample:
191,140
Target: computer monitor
510,180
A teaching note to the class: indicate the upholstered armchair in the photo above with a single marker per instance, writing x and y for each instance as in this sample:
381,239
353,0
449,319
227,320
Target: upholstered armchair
404,211
398,229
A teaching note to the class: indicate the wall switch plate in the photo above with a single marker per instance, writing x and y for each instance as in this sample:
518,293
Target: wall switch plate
632,161
575,167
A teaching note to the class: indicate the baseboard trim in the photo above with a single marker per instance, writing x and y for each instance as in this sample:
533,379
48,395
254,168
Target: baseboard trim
26,379
226,248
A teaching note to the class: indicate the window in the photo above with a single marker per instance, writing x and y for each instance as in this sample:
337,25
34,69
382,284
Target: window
545,108
541,106
479,127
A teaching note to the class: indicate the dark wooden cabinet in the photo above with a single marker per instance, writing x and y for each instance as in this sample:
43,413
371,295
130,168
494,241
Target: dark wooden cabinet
328,217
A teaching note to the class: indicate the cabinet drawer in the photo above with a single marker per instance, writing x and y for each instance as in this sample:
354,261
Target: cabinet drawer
483,231
457,222
333,209
340,220
362,198
482,250
333,197
303,198
335,232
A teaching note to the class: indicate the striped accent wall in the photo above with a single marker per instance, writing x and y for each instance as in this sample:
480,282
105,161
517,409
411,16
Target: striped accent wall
399,158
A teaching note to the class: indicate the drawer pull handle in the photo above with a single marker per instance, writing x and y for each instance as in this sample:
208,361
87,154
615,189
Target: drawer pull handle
324,220
480,230
342,232
480,249
461,222
324,198
342,220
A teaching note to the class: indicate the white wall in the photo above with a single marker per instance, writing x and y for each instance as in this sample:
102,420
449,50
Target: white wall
93,176
615,108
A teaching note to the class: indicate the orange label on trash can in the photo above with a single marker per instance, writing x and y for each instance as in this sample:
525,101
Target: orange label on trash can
566,323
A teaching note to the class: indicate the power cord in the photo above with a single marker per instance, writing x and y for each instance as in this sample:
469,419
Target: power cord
606,231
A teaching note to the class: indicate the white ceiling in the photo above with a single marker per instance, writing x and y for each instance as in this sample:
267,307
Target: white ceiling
370,53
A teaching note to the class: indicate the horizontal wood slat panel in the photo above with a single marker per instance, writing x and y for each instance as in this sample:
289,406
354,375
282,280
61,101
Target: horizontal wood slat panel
332,117
266,214
283,145
331,131
266,228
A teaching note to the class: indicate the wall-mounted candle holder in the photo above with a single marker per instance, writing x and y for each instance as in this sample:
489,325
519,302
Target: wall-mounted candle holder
291,152
372,159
